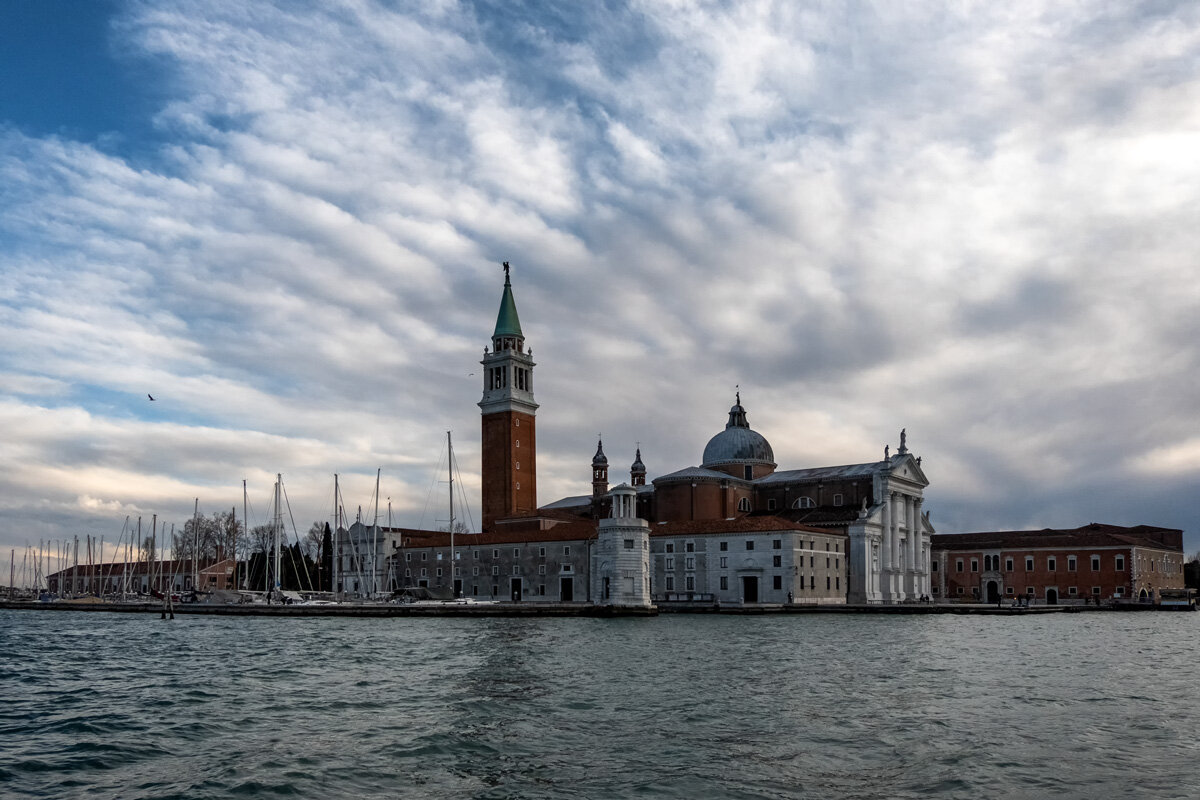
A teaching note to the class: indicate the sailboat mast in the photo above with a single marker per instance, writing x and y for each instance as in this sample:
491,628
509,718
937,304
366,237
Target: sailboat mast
278,531
375,539
450,472
196,546
246,522
336,562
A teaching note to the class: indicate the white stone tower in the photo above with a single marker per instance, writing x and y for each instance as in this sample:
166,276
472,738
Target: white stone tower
621,558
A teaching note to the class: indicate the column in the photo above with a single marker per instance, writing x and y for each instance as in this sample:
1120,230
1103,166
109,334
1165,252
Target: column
885,550
914,549
923,577
895,534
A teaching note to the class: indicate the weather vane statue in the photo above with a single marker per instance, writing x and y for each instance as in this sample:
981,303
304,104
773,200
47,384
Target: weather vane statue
505,265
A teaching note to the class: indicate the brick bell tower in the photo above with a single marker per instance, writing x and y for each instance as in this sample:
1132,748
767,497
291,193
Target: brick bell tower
509,442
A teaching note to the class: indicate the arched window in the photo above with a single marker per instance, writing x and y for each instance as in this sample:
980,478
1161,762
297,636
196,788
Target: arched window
744,504
803,502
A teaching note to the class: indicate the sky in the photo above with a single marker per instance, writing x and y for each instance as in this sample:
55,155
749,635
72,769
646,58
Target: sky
975,221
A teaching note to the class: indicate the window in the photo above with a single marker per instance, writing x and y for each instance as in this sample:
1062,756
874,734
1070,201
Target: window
629,544
1029,563
803,502
1120,563
408,556
495,554
974,565
496,570
826,562
1095,568
724,582
1096,591
690,547
748,472
670,583
1070,563
541,569
670,547
777,561
744,503
691,562
495,590
724,562
541,552
1051,564
958,565
439,572
542,589
670,563
812,581
837,499
1009,590
724,546
690,583
1008,565
475,589
827,583
933,565
408,573
475,571
749,544
516,552
1029,591
1073,590
777,582
516,569
566,567
771,504
424,572
566,549
1119,591
777,544
959,590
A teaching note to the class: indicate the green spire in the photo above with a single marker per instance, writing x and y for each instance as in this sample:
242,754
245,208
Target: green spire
507,322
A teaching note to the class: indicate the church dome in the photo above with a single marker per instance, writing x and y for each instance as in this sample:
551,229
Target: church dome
738,444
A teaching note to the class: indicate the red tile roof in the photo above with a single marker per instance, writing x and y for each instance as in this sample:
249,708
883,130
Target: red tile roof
1092,535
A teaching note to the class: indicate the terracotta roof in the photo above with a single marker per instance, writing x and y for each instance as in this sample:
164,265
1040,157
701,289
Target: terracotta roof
1092,535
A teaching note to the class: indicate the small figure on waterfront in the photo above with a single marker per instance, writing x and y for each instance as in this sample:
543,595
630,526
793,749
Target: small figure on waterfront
789,598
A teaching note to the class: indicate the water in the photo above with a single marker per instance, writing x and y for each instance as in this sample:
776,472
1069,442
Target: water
130,706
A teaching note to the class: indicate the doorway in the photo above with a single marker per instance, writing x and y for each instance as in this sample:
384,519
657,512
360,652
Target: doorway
566,590
458,587
993,592
749,588
1052,597
516,590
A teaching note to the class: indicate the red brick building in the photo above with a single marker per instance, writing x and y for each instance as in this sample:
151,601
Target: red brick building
1057,566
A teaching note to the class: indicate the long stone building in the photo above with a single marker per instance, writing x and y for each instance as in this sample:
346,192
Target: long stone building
735,529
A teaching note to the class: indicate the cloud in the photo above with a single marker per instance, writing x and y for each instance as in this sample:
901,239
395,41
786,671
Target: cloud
976,223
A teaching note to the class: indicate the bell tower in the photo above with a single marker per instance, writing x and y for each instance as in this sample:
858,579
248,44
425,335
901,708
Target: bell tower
509,445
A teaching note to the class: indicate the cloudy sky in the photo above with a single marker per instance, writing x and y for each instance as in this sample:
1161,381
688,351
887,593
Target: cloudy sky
976,221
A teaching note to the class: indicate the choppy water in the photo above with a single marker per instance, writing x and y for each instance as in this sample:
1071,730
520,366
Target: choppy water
130,706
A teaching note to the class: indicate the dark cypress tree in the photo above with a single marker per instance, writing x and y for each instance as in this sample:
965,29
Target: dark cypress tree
325,577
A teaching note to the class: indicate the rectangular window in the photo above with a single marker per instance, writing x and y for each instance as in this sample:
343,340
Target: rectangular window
771,504
1070,563
1120,563
933,565
542,589
629,544
424,572
777,582
690,547
958,565
541,569
1095,568
749,544
670,563
724,582
1029,563
1009,590
496,570
1073,590
1051,564
724,562
475,571
812,581
837,583
475,554
777,544
439,572
670,547
827,581
691,562
670,583
408,573
1119,591
837,499
1096,590
1008,565
566,567
777,561
691,583
516,552
541,552
826,562
516,569
495,590
723,546
408,556
495,554
566,549
475,589
974,565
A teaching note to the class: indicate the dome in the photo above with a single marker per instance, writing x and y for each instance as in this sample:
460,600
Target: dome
737,444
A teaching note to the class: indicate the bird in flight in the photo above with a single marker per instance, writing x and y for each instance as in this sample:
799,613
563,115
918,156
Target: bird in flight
150,396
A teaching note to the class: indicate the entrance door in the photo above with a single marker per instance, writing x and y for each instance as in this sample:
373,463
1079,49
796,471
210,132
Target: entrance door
993,592
516,590
749,588
566,590
458,587
1052,597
